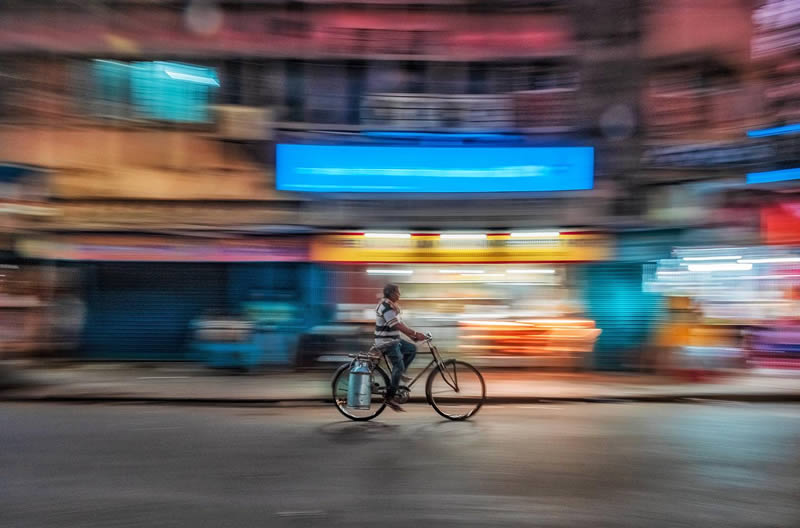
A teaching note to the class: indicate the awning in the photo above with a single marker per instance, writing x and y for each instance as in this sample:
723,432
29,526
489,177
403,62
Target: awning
165,249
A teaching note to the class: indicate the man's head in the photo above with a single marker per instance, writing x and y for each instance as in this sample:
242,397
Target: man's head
391,292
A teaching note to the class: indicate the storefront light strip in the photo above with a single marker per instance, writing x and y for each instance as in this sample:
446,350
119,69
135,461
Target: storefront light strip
462,236
721,257
200,79
532,271
535,234
387,235
389,272
585,322
772,260
775,131
761,277
720,267
491,323
773,176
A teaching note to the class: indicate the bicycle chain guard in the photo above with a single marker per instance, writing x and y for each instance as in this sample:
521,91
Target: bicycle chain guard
402,395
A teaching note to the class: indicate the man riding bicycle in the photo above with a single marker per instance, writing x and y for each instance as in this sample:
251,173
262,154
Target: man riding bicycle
388,327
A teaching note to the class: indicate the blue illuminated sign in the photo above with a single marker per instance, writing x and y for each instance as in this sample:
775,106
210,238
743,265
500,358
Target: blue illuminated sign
774,176
387,169
776,131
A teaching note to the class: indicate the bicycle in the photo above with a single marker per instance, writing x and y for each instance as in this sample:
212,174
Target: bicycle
455,389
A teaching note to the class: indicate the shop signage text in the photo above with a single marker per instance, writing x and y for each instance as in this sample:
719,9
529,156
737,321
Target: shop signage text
420,112
494,249
160,249
707,155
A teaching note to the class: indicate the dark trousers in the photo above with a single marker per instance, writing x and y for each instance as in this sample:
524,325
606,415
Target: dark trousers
400,355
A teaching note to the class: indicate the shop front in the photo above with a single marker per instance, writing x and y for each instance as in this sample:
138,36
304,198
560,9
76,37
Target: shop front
227,302
498,298
734,306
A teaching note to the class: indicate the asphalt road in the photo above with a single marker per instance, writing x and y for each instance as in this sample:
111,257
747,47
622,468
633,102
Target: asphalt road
598,465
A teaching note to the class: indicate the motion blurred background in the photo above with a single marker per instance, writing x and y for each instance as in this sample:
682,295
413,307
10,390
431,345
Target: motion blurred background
563,184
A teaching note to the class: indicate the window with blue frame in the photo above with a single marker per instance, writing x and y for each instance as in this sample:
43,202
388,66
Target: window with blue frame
153,90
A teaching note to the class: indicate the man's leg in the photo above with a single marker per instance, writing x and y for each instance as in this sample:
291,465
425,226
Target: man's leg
409,351
396,359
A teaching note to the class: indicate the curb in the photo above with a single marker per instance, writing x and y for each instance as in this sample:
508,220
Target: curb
315,402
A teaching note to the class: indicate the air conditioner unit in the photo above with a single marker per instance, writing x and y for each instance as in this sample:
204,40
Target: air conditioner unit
244,123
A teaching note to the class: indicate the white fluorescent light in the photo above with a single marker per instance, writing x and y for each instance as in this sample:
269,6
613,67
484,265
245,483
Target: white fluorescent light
200,79
456,270
720,267
536,234
387,235
770,260
762,277
731,257
389,272
492,323
535,271
463,236
115,63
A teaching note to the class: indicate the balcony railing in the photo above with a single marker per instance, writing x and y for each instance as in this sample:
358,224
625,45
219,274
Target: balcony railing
543,110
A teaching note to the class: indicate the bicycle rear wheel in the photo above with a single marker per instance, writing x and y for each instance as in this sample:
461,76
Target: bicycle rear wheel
380,381
456,390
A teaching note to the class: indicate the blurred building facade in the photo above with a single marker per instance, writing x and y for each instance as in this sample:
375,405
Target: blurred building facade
152,126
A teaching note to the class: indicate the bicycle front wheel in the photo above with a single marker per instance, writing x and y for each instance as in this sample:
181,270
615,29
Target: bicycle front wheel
456,390
380,382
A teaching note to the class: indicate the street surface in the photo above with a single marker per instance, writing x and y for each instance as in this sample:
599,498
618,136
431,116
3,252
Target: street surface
594,465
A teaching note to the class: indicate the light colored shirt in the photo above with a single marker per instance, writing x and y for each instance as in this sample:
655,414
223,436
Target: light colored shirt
387,316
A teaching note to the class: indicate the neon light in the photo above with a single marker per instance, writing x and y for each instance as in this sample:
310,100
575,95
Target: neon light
770,260
491,323
429,169
390,272
584,322
720,267
775,131
731,257
773,176
462,236
387,235
200,79
536,234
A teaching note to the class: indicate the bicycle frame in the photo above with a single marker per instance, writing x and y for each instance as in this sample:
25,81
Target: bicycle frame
447,368
437,360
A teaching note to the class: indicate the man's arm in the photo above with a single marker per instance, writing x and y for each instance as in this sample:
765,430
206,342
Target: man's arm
413,334
391,316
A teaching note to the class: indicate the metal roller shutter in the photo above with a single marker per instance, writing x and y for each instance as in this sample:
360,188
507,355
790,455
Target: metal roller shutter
142,311
614,298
